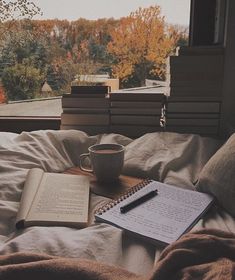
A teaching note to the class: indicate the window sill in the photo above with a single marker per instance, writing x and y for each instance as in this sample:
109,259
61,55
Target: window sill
19,124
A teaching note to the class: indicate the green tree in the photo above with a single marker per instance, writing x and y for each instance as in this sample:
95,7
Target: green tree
10,12
22,81
25,44
61,74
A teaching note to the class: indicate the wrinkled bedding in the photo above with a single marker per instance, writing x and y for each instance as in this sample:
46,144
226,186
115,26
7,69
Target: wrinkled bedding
168,157
204,254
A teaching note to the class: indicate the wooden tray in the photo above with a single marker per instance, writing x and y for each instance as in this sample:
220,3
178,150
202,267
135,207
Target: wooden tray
110,190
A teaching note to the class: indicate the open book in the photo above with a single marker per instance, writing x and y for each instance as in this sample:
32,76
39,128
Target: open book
54,199
162,218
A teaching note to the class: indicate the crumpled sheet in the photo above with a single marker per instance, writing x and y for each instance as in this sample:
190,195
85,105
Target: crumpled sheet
168,157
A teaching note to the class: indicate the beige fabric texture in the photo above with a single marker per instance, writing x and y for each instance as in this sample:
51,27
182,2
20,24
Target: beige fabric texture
169,157
205,254
218,176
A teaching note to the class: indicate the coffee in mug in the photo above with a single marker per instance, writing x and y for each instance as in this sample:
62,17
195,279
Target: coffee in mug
106,161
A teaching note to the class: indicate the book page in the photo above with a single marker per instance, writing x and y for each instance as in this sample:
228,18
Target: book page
164,217
32,182
61,199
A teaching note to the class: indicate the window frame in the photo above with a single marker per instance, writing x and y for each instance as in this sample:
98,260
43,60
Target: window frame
31,123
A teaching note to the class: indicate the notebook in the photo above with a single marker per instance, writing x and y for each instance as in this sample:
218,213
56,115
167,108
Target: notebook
162,218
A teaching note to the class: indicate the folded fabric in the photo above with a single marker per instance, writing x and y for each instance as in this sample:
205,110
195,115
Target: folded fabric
218,176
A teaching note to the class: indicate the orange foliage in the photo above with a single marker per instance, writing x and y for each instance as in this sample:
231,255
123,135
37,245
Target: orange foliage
2,95
143,39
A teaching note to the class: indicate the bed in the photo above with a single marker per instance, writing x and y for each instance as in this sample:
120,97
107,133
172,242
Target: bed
177,159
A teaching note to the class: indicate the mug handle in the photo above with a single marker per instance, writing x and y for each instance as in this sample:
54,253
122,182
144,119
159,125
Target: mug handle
82,158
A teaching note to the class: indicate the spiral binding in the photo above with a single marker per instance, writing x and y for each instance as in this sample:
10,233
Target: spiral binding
125,195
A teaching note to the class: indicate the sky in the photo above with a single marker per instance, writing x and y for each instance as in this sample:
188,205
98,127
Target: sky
175,11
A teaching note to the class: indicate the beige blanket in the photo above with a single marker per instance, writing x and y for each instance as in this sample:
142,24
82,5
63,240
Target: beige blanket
206,254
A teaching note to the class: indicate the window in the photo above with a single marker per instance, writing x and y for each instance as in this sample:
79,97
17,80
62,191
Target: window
207,22
40,57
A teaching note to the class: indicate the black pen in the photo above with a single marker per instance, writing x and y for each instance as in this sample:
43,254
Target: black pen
137,201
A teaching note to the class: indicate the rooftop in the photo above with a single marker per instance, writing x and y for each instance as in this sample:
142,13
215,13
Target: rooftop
147,89
46,107
51,107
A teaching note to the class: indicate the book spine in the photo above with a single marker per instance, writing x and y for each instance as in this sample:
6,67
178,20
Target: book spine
89,89
193,122
135,120
193,107
193,91
84,95
196,76
137,97
85,102
84,119
193,99
77,110
134,111
196,62
192,116
137,104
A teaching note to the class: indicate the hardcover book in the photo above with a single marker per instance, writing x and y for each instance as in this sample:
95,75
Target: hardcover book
71,102
136,104
84,119
89,89
193,122
84,95
135,120
193,107
136,111
136,96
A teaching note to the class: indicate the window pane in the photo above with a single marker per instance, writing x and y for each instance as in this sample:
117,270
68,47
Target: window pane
41,55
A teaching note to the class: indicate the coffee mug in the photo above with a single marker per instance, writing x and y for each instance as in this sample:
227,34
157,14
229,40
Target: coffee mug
106,161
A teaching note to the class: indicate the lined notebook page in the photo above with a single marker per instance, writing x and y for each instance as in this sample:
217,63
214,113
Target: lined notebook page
164,217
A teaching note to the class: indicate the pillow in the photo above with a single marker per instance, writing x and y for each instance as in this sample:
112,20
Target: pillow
218,176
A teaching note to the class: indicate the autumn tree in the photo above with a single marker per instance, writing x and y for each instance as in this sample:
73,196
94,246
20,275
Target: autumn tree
10,11
140,45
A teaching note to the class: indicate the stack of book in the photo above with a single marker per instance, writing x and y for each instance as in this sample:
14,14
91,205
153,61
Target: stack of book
196,71
194,90
199,115
86,108
135,112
